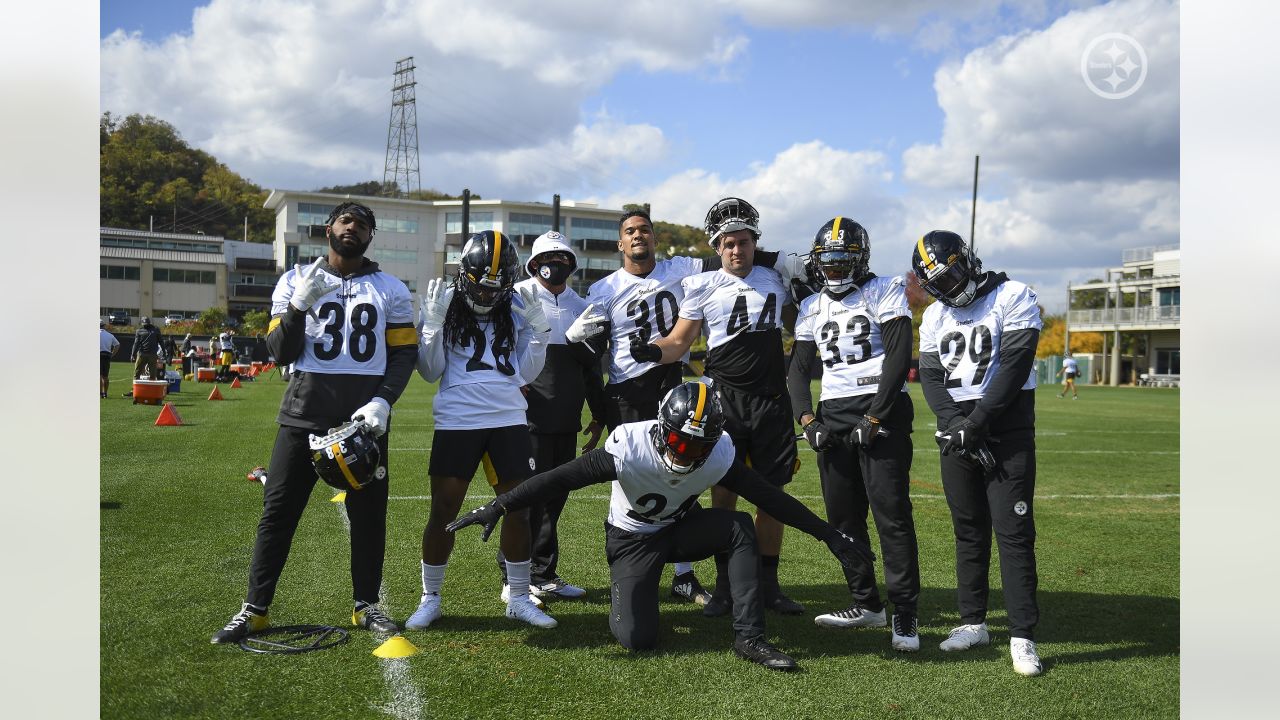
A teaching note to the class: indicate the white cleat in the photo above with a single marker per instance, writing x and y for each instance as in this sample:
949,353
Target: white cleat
854,616
505,595
965,637
428,612
558,588
1026,661
525,610
906,635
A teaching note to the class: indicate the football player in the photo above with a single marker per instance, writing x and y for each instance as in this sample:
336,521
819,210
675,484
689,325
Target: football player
859,327
108,346
977,348
1069,372
658,469
570,376
740,306
640,302
347,327
482,343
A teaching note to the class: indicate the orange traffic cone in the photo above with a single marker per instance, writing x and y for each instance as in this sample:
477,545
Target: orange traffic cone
215,395
169,416
236,382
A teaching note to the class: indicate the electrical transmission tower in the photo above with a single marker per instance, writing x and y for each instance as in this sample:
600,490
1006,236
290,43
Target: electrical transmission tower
400,175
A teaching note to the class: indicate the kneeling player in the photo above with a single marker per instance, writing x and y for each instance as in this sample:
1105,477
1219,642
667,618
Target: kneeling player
659,468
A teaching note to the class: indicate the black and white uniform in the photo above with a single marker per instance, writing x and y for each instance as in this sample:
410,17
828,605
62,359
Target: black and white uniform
356,343
742,318
479,410
107,347
654,518
977,361
570,376
863,340
1070,369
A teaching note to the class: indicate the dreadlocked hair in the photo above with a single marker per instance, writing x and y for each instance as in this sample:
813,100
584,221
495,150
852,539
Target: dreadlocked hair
460,320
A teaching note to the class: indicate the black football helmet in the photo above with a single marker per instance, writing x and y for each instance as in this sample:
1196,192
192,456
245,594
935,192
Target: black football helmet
487,270
728,215
945,268
690,422
841,254
348,458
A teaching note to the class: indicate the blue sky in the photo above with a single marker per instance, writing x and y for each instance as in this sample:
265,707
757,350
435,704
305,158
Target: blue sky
808,109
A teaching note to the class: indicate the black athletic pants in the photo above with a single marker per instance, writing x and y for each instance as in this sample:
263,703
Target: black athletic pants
1001,501
550,450
878,479
290,479
637,399
636,562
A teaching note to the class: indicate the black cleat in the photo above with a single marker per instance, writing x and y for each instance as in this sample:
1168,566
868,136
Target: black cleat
758,650
250,619
780,603
717,606
372,617
686,587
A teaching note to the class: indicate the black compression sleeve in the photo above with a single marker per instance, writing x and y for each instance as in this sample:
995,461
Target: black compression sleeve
749,484
896,336
401,360
589,468
1017,354
766,258
933,382
712,262
285,339
802,355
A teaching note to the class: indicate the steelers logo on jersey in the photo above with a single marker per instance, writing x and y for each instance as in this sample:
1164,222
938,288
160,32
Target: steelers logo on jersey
1020,508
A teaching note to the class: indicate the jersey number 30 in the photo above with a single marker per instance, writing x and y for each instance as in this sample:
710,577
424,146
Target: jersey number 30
362,339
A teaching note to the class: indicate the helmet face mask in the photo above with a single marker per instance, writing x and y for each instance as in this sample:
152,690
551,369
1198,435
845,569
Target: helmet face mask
942,264
841,254
690,423
728,215
348,457
487,270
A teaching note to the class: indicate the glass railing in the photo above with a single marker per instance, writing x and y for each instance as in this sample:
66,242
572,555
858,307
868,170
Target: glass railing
1127,316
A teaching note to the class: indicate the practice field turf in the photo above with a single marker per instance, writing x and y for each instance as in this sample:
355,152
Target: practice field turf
178,521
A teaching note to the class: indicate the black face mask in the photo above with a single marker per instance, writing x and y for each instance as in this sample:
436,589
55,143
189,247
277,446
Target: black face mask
555,273
346,251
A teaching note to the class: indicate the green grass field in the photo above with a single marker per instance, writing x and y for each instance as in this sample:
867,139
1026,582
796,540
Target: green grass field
178,522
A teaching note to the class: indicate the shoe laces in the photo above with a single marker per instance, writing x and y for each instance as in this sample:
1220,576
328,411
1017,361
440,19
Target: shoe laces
240,619
1025,651
963,630
904,624
373,614
852,612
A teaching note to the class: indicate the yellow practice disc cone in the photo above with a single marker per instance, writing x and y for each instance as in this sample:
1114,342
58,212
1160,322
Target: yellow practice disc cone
396,647
340,497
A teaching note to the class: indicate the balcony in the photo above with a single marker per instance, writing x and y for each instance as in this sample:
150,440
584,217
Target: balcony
258,264
1140,318
252,291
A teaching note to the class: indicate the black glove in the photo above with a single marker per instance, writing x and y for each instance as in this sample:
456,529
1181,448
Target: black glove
963,436
852,554
644,352
486,515
865,431
818,435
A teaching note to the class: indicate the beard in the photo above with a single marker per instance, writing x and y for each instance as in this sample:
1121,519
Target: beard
640,253
345,249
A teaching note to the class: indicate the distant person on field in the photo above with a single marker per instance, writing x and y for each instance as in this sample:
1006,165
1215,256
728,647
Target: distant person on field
146,349
227,356
188,355
108,346
1069,372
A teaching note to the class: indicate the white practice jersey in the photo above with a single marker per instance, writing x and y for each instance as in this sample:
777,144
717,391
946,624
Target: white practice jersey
967,340
729,305
647,497
1069,365
561,310
847,333
347,329
107,343
641,309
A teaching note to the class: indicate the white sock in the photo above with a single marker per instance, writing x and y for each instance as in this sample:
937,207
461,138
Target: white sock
518,579
433,578
683,567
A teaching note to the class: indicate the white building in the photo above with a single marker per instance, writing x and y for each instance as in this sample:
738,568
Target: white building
150,274
1142,296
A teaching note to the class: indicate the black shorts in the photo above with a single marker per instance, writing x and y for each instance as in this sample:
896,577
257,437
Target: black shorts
762,432
104,364
505,452
1070,375
637,399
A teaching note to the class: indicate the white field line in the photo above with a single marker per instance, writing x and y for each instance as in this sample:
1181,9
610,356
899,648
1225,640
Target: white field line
405,703
914,496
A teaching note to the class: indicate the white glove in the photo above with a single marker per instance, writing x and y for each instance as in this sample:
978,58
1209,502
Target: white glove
313,286
374,416
588,325
435,304
534,317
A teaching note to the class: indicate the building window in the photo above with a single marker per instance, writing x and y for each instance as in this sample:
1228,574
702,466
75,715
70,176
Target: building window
1170,296
182,275
479,222
290,255
593,229
527,224
1167,362
119,272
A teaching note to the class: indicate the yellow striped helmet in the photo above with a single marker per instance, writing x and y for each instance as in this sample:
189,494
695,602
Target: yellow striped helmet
348,457
946,270
690,422
487,270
